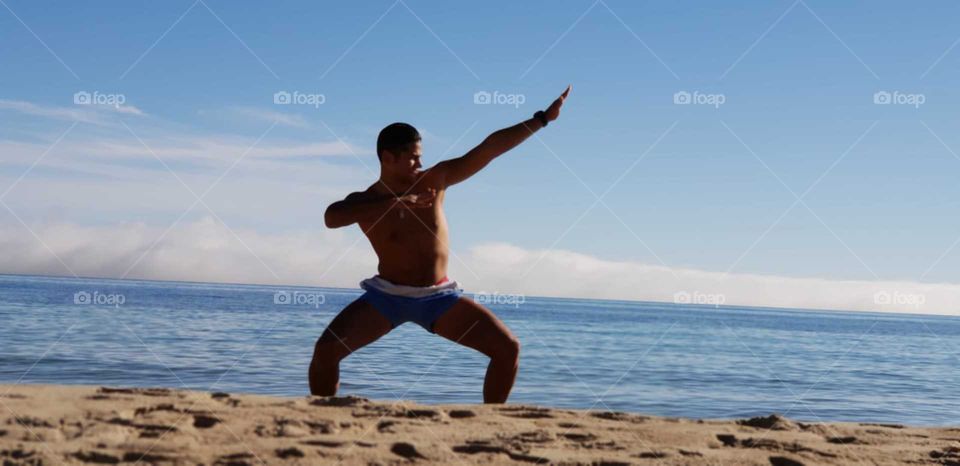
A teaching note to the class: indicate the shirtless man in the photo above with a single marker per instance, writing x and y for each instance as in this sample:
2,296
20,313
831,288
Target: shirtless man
402,216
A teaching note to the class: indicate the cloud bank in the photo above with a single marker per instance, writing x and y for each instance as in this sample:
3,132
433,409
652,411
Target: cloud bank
208,251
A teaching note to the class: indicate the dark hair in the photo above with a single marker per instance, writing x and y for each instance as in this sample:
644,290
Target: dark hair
396,136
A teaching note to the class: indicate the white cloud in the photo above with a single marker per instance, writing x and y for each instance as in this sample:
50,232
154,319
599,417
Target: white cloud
204,250
501,268
213,148
270,116
93,114
198,148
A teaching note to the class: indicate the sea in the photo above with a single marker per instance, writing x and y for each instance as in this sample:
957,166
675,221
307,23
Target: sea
697,361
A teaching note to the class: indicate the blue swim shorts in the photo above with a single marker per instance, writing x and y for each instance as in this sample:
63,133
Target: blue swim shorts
422,310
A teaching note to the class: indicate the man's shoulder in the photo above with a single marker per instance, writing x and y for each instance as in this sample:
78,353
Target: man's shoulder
433,177
360,195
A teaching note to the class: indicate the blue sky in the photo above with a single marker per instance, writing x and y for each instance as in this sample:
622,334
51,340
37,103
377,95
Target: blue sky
697,187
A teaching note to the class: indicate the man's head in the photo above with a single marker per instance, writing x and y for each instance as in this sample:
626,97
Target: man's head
398,148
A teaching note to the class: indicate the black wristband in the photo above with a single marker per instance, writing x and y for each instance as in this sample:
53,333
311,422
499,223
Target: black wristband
540,115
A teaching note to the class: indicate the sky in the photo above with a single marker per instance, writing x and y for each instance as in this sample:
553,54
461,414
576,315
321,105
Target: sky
778,153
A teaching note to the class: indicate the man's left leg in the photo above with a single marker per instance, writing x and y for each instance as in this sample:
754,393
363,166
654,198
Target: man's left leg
472,325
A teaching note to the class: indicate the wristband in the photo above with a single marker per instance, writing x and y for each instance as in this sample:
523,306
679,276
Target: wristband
540,115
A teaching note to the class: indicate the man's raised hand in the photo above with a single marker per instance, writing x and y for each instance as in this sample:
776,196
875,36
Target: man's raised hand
553,111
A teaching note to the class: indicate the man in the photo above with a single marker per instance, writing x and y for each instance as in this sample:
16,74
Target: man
402,216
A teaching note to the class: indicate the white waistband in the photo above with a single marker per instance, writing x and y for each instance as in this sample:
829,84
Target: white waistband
388,287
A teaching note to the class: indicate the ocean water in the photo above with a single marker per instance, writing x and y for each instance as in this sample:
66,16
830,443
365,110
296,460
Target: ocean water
662,359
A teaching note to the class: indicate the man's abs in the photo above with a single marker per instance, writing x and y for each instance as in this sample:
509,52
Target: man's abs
412,250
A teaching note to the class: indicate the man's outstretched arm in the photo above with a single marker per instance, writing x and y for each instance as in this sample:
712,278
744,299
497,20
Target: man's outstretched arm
465,166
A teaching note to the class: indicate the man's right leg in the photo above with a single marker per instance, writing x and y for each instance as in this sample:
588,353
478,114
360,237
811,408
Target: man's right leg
357,325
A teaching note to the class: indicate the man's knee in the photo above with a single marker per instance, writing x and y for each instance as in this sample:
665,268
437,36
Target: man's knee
329,350
508,349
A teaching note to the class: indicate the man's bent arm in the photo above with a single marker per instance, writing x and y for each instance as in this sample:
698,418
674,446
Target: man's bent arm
358,208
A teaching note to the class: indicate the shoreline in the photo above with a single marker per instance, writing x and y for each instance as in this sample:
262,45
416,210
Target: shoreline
56,424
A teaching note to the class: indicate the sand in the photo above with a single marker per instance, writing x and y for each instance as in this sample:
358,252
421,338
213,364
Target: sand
47,424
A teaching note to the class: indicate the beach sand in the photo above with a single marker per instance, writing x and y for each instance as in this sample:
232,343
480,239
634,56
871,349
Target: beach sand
48,424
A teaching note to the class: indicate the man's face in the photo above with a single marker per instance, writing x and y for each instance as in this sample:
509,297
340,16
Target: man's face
406,163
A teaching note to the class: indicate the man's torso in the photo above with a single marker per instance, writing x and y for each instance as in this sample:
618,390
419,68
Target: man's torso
411,243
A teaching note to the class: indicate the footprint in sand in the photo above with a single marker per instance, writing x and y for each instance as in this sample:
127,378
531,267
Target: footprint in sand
783,461
771,422
338,401
235,459
578,437
292,452
21,455
386,426
536,436
324,443
651,455
406,450
225,398
526,412
482,446
889,426
619,416
283,427
844,440
947,455
205,421
461,413
142,411
96,457
136,391
730,440
146,430
143,457
27,421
